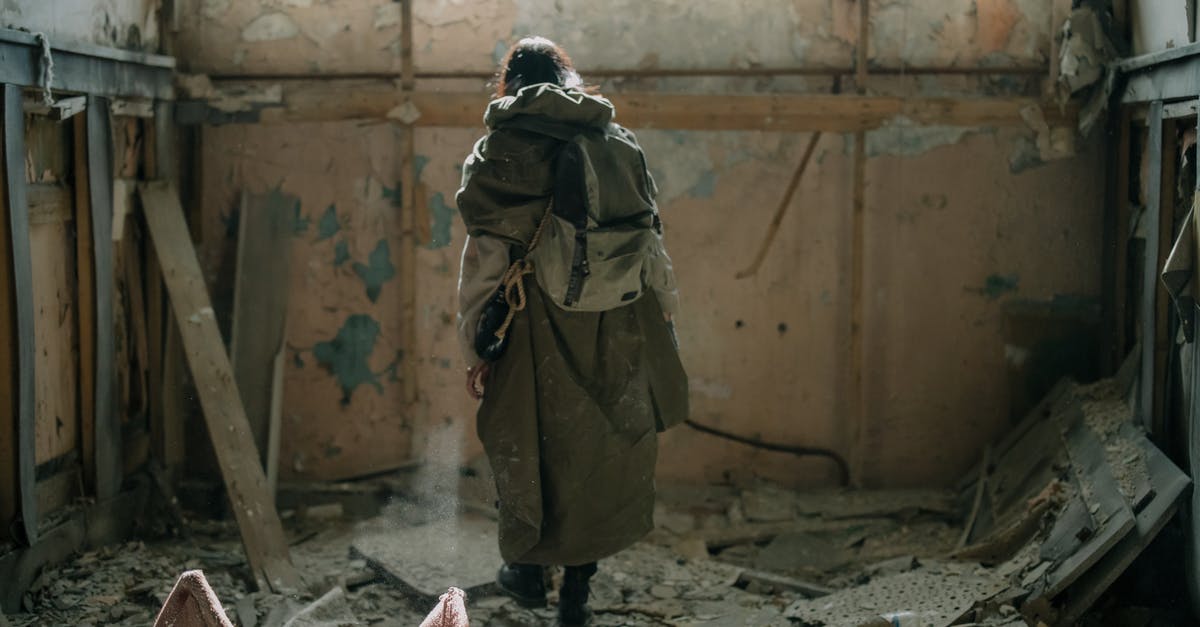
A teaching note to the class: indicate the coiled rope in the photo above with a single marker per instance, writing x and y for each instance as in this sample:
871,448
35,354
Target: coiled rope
47,69
513,282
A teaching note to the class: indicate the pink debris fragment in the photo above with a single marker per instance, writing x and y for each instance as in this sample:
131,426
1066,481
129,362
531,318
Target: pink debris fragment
451,611
192,603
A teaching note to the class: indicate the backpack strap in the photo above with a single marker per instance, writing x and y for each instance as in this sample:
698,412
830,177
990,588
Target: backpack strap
512,285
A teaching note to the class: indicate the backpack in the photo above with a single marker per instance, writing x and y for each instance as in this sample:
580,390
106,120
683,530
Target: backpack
602,226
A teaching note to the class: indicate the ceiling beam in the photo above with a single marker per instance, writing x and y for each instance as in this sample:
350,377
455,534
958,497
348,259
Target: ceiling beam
379,100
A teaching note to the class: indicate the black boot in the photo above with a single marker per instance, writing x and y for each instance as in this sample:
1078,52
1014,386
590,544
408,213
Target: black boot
524,582
573,597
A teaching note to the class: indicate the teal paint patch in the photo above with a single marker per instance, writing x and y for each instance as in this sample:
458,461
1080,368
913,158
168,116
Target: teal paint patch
499,51
705,187
419,163
442,216
345,356
328,225
997,285
300,222
394,194
377,270
341,253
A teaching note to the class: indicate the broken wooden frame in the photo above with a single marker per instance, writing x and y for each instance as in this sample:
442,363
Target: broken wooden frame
233,442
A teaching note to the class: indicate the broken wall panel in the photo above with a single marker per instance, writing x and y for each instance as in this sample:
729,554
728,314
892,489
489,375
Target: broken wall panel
343,410
302,36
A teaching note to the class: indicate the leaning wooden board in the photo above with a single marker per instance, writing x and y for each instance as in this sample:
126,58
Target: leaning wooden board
262,533
22,281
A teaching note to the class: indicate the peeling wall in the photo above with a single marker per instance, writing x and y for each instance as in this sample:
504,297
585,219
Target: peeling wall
129,24
959,223
271,36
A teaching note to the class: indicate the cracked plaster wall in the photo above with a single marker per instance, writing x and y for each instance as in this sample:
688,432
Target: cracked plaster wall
947,208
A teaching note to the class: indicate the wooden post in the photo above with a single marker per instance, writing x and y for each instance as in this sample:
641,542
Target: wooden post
20,297
166,356
1150,223
245,482
1163,341
856,399
100,185
85,304
408,209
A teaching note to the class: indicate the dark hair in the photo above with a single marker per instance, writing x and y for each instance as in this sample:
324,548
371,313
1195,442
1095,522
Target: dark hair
535,60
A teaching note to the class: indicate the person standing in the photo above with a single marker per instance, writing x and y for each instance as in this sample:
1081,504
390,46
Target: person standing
566,305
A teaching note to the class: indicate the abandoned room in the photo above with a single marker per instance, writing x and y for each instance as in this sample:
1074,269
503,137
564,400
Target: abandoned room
739,313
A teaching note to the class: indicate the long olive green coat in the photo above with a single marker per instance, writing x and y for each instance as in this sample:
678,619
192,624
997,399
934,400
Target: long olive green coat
571,411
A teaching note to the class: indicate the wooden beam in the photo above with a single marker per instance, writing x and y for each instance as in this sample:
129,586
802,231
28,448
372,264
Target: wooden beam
245,482
856,396
100,196
260,303
1163,341
408,218
316,101
1150,270
85,321
166,355
16,202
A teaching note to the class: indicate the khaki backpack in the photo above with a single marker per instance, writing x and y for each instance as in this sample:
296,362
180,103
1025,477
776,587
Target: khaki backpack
603,224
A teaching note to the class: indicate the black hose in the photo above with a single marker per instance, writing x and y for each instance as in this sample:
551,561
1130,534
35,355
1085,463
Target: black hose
798,451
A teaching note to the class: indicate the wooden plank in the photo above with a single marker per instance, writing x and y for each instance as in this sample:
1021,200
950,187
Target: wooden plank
100,194
85,318
245,482
354,99
165,354
1150,221
56,424
10,367
137,316
17,206
1164,341
275,422
260,303
1120,270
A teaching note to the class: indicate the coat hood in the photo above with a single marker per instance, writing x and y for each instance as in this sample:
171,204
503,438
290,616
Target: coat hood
548,101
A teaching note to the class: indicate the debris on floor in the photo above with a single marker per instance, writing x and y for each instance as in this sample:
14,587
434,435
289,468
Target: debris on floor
1054,512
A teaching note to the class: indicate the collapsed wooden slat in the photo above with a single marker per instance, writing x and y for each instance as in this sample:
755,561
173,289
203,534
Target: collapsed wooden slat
245,482
354,99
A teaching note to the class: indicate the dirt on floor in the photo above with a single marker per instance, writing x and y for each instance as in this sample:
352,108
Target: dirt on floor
720,556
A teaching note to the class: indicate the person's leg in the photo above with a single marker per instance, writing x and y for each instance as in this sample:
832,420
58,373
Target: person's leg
573,597
526,583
